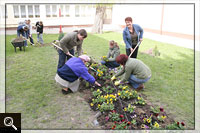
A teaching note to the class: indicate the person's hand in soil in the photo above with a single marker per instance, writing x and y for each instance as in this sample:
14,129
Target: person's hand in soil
96,83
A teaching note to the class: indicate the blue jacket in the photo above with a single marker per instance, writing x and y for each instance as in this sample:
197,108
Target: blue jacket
127,36
20,28
73,69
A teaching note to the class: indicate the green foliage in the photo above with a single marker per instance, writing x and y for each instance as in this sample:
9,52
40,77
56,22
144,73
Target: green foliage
140,101
106,107
114,116
175,126
155,110
130,108
99,99
96,93
108,89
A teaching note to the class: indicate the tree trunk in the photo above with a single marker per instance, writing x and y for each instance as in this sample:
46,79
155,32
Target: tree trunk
98,22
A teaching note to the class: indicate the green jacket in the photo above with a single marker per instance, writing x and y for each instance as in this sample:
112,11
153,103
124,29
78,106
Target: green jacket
69,41
113,53
135,67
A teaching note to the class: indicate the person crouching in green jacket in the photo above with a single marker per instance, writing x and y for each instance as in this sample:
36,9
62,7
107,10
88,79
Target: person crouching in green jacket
110,60
134,71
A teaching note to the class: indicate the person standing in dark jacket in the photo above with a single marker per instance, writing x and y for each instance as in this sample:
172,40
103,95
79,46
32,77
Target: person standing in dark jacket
132,34
21,30
68,42
39,29
68,75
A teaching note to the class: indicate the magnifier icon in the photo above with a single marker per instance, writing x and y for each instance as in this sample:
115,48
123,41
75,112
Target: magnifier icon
8,121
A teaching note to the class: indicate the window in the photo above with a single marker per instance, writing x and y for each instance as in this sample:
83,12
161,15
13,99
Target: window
16,11
54,10
48,11
37,11
67,8
77,11
23,11
83,11
30,11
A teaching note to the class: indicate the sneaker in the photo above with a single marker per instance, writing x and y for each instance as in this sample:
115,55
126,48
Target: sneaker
33,44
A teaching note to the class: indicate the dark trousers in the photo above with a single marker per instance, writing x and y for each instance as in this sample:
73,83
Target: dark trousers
31,39
62,57
134,55
110,64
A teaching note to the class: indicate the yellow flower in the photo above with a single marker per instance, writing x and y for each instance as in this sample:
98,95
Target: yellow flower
139,98
129,106
111,102
124,88
92,99
125,109
98,90
156,125
148,120
119,94
91,104
144,119
126,91
99,105
110,99
143,103
163,116
107,102
130,93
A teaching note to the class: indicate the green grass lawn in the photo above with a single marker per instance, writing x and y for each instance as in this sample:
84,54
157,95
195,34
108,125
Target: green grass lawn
31,89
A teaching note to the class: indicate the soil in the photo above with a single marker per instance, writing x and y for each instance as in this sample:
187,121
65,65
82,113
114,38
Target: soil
18,39
139,113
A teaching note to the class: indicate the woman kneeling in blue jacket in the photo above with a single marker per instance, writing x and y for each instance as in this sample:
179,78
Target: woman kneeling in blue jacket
68,75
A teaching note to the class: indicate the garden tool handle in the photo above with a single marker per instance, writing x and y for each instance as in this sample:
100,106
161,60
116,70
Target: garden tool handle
134,49
61,49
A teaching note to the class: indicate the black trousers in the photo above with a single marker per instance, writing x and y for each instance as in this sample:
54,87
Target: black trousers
134,55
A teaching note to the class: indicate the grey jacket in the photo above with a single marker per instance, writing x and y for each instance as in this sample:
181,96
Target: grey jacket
69,41
113,53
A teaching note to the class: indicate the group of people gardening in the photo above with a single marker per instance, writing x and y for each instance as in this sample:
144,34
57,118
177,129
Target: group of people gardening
25,29
71,68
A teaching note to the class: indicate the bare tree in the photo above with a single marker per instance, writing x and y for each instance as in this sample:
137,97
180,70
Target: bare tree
98,22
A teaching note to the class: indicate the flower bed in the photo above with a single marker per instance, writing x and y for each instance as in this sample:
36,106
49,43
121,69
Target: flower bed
122,107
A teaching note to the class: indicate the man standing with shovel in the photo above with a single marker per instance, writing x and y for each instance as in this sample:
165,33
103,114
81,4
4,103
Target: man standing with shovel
68,42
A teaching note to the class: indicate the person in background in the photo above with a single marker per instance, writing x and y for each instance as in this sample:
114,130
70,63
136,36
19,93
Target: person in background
21,30
114,51
39,29
29,32
68,75
132,34
68,42
133,70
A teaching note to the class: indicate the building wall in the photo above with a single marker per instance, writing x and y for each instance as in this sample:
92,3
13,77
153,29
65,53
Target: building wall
85,16
175,19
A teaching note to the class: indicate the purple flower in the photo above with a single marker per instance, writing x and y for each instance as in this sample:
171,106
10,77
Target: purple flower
147,127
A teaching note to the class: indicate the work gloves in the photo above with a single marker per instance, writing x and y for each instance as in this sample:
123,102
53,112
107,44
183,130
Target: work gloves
113,78
117,83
